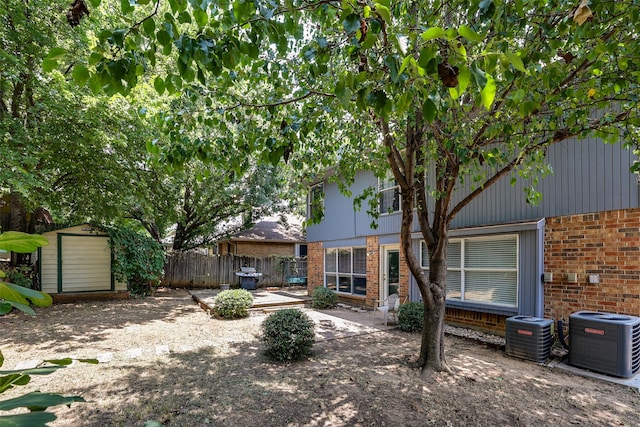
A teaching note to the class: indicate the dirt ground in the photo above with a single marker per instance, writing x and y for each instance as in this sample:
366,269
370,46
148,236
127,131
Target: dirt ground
165,359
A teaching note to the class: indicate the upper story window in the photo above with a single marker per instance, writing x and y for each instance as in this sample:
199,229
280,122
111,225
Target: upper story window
315,208
389,195
481,269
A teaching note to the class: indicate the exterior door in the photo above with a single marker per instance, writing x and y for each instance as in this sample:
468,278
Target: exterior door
84,263
390,281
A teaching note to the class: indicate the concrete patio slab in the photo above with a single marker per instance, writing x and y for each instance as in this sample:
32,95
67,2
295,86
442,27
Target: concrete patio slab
633,381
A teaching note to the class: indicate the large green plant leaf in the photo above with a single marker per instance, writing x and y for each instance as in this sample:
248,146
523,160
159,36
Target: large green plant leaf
7,306
31,419
16,241
37,401
11,292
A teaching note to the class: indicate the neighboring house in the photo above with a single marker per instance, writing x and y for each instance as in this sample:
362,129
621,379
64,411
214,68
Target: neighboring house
275,236
584,234
77,265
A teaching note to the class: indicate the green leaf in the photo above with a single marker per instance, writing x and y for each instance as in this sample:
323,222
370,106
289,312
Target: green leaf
11,292
149,26
80,74
201,17
488,93
16,241
7,306
433,33
49,65
384,12
159,85
466,32
351,23
429,110
31,419
516,61
57,53
37,401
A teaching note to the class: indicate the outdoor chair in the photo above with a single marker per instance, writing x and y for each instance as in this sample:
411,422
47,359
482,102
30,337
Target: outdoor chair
388,306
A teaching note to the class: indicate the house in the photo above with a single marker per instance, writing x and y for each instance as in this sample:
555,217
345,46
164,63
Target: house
578,249
281,236
77,265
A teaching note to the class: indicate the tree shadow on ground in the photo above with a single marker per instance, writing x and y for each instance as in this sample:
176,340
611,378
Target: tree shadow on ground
94,321
364,380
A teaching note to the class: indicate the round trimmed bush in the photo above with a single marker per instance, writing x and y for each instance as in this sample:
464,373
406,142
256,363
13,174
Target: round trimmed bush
233,303
410,317
323,298
288,335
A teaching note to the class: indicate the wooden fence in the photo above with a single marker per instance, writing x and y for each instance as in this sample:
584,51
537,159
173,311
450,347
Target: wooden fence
193,270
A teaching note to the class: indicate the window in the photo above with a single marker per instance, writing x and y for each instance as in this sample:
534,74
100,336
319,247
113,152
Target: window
301,250
389,195
346,270
481,269
315,208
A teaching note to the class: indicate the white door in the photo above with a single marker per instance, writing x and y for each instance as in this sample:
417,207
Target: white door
85,263
390,271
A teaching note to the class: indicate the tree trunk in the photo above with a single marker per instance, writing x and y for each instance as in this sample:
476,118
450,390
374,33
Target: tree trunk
432,357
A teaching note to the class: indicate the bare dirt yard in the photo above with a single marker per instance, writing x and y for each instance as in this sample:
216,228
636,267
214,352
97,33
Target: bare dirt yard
165,359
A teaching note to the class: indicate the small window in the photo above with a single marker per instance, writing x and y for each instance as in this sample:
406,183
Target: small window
389,195
315,208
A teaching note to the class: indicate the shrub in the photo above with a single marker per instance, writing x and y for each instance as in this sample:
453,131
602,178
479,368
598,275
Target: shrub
323,298
138,260
233,303
288,335
410,317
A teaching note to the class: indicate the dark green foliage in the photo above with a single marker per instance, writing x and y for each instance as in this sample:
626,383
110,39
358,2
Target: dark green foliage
233,304
410,317
21,276
35,401
323,298
288,335
138,260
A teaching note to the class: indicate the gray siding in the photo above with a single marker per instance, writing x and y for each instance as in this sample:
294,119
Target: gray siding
530,270
589,176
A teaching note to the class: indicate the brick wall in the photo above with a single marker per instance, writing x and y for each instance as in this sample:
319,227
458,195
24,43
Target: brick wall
315,266
606,244
373,270
487,322
267,249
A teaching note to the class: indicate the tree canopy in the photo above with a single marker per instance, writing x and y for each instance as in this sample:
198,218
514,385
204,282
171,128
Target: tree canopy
447,92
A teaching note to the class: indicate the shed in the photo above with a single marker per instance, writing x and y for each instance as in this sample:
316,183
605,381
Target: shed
77,265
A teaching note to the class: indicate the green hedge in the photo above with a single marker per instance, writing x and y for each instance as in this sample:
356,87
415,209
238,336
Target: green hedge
410,317
323,298
288,335
233,303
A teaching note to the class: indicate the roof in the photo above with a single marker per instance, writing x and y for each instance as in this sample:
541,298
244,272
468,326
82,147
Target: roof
273,229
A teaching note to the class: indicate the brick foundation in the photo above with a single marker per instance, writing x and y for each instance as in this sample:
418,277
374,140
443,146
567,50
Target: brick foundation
487,322
606,244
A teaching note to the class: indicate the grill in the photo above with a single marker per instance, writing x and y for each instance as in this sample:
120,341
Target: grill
529,338
248,277
605,342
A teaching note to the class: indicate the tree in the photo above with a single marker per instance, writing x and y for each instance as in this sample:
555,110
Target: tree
460,94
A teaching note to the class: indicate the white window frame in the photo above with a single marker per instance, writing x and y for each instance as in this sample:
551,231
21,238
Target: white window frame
311,199
337,273
389,178
462,269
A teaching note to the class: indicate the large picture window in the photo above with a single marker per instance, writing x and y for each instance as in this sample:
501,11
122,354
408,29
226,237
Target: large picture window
389,195
481,269
346,270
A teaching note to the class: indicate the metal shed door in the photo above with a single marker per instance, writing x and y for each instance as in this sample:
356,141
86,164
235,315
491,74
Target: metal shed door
84,264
